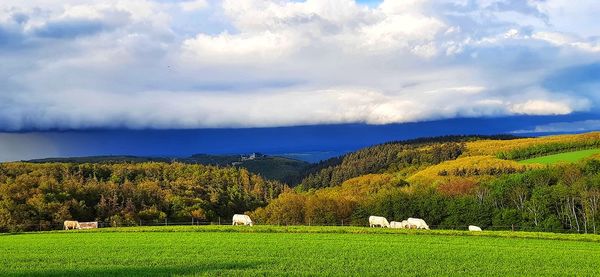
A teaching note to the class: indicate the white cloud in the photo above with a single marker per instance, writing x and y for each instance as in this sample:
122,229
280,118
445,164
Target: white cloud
541,107
194,5
414,33
561,39
564,127
144,63
226,48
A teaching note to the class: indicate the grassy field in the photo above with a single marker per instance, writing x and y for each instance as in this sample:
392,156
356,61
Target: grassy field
568,157
260,250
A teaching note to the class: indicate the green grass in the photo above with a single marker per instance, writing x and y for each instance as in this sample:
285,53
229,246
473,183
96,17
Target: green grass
568,157
267,250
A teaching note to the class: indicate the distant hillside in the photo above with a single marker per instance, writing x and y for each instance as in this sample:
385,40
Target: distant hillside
404,157
102,159
409,157
270,167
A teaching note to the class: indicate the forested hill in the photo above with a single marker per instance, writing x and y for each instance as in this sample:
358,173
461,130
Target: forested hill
404,157
270,167
455,182
42,196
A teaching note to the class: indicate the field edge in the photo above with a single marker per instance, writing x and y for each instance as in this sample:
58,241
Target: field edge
330,230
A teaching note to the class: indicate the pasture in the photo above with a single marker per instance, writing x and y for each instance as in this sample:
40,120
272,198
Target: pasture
567,157
260,250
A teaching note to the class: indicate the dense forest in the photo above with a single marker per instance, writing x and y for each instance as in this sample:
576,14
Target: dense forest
42,196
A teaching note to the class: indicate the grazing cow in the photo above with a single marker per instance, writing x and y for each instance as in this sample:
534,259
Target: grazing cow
401,225
71,224
396,225
378,221
418,223
474,228
88,225
408,225
241,219
405,225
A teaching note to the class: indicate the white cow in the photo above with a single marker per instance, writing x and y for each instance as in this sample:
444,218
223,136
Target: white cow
407,225
417,223
242,219
71,224
474,228
378,221
88,225
402,225
396,225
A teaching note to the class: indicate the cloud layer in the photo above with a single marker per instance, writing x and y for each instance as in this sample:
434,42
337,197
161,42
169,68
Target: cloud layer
256,63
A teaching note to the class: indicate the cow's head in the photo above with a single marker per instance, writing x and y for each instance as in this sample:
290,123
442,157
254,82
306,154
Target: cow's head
251,223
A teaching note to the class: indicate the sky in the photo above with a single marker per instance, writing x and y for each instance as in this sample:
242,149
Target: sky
196,67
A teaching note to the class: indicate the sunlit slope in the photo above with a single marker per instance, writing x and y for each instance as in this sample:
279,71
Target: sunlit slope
475,168
520,149
567,157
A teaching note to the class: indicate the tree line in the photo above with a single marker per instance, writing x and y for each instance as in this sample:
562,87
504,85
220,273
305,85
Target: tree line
42,196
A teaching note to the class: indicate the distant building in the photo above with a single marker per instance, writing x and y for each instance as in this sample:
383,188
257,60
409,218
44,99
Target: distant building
252,156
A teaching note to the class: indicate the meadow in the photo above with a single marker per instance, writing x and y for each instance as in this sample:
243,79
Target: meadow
568,157
260,250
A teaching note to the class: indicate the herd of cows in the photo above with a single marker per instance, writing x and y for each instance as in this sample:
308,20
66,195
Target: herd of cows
410,223
242,219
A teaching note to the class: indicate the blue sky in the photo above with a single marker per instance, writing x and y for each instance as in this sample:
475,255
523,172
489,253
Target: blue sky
158,65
